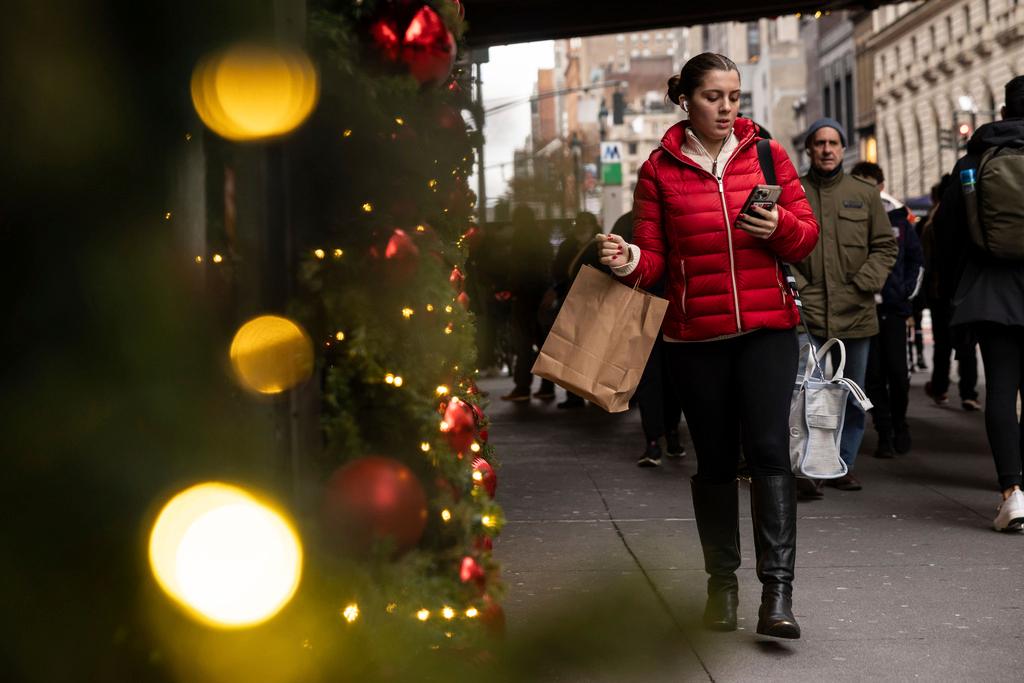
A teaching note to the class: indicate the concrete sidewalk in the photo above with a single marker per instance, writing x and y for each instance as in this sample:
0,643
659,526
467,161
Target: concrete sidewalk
904,580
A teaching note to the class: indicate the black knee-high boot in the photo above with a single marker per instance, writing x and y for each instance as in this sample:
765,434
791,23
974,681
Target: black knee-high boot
716,508
773,508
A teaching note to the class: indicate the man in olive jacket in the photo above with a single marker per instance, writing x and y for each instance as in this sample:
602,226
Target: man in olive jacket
839,280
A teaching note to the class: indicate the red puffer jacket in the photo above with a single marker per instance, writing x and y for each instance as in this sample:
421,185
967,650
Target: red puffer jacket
722,281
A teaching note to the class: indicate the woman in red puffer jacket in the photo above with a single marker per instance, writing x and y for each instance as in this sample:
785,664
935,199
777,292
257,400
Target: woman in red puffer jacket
734,360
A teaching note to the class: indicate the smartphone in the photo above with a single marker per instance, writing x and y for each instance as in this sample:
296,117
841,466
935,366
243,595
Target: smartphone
764,196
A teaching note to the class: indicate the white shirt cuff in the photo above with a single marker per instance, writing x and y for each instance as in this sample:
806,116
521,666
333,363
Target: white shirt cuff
629,266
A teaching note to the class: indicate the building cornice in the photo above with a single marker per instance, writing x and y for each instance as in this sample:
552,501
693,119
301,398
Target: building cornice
909,22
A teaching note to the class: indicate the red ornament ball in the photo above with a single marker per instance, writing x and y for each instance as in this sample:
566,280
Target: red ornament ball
470,570
402,256
483,543
372,499
472,237
422,42
456,278
487,478
458,426
483,435
463,300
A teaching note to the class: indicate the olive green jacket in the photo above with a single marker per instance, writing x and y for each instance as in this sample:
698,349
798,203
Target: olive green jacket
851,261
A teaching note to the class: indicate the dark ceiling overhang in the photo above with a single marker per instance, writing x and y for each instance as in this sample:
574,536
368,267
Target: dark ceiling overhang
498,22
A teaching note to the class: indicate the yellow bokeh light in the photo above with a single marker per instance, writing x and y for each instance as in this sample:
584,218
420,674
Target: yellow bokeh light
444,426
389,378
399,120
475,447
488,521
407,312
199,259
446,515
367,207
478,475
217,258
472,612
399,381
347,133
448,329
167,216
340,336
351,612
271,354
425,447
441,390
251,92
231,560
423,615
338,253
430,308
421,228
390,608
448,308
319,253
447,612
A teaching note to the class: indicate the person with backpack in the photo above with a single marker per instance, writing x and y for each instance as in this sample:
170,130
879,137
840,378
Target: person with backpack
981,224
888,382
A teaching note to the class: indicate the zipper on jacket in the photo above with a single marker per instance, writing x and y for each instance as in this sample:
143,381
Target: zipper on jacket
732,258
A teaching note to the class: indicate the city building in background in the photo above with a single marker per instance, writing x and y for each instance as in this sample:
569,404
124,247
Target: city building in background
930,74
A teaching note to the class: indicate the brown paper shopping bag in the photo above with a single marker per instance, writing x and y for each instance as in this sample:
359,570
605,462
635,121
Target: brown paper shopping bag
601,339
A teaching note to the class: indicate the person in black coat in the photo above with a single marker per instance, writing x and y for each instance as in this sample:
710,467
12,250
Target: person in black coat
988,296
888,384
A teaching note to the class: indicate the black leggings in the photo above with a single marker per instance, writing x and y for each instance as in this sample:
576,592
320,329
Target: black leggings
659,405
1002,349
736,392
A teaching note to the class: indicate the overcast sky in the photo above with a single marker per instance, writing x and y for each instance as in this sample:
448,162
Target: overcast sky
510,74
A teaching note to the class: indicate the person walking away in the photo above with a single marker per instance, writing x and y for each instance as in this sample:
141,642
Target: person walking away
730,329
960,343
848,266
530,268
888,381
656,396
982,222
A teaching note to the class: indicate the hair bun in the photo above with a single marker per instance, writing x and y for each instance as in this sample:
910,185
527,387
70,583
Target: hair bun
673,89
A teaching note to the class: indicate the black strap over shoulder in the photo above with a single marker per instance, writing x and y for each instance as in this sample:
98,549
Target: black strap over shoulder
764,157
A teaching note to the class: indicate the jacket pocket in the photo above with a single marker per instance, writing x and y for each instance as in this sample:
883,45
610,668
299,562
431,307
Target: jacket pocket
682,273
852,240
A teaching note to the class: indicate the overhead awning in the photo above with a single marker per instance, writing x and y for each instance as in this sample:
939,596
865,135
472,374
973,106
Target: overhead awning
497,22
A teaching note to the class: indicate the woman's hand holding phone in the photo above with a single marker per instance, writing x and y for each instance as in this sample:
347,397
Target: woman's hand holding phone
759,222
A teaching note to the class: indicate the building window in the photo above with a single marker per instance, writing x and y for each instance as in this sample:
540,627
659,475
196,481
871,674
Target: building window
934,39
826,100
753,41
850,128
632,148
949,28
913,48
967,19
837,95
620,38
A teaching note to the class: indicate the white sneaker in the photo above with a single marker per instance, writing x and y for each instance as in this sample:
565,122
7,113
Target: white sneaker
1011,513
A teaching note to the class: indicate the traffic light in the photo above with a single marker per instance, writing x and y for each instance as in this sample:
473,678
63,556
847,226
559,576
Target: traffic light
965,133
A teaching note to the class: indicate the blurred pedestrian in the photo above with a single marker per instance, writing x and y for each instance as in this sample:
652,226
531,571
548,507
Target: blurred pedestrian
887,379
730,328
847,268
529,277
982,222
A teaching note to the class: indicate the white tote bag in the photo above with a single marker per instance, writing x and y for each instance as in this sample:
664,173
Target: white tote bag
817,413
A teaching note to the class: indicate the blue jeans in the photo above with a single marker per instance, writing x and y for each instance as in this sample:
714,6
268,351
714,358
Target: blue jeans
856,370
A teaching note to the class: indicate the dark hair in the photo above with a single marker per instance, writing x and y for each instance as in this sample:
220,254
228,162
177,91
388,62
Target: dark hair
1015,97
693,73
867,169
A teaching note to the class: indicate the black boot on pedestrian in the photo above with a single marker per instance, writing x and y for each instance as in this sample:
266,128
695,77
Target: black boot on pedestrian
773,509
884,447
716,508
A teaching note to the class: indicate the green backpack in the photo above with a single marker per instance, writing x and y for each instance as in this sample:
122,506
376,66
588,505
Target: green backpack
995,213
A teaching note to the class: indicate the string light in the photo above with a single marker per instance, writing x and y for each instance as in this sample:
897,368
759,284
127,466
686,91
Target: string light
389,378
367,207
390,608
217,258
472,612
432,184
430,308
441,390
199,259
425,447
338,253
448,308
444,426
188,137
407,312
475,447
478,476
449,329
347,133
399,381
399,120
489,521
340,336
446,515
351,612
447,612
423,615
421,228
319,253
817,15
167,216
